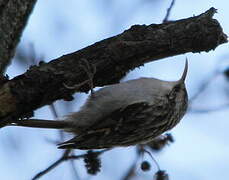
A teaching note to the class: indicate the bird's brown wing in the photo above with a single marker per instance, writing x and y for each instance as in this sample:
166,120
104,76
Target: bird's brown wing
119,128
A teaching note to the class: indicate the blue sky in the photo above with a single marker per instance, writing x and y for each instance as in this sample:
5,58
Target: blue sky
59,27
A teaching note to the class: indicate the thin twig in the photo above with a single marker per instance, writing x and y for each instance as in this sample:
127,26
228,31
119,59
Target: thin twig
54,111
154,160
52,166
73,167
131,172
168,11
63,158
71,162
55,114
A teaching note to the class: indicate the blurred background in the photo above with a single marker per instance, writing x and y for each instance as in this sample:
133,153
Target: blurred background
58,27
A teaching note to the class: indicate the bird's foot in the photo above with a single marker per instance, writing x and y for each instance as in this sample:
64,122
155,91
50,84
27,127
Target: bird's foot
90,70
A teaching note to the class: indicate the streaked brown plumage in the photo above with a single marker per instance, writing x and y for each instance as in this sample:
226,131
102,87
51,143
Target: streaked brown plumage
134,122
124,114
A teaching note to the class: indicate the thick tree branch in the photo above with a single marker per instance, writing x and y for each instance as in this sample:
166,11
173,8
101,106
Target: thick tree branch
13,17
112,57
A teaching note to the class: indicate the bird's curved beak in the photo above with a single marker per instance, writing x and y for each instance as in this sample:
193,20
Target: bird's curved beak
183,77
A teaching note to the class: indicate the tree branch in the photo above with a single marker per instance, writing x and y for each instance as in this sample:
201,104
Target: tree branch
13,18
66,156
112,57
168,11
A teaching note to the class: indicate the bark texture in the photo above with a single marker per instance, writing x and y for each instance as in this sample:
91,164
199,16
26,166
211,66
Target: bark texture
112,57
13,18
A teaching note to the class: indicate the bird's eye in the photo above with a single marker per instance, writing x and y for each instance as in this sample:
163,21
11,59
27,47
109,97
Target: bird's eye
176,89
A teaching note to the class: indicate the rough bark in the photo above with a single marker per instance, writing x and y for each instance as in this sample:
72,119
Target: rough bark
13,18
112,57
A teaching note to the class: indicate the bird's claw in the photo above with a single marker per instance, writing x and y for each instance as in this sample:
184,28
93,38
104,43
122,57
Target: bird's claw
90,70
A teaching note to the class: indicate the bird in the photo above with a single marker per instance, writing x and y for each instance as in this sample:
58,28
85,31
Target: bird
123,114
